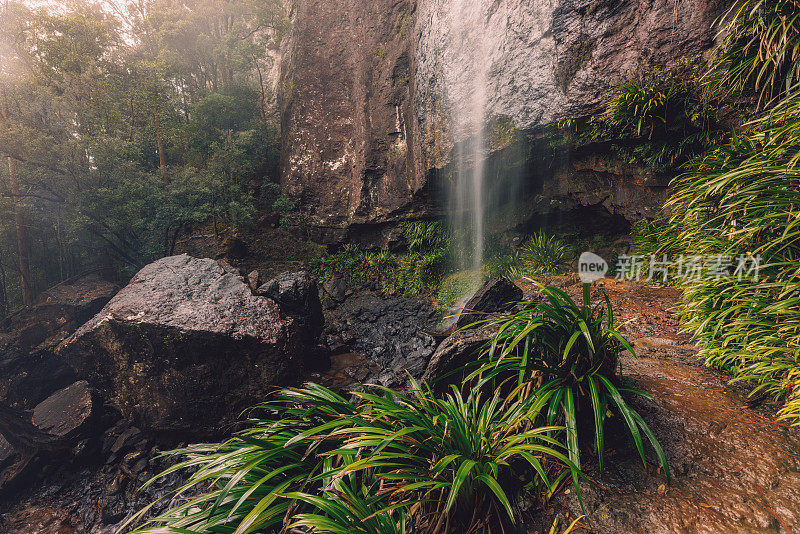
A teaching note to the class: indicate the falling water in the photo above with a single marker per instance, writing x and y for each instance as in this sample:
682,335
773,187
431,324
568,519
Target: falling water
466,77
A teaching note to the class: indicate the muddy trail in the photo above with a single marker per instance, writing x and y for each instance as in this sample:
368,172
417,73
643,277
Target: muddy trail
734,469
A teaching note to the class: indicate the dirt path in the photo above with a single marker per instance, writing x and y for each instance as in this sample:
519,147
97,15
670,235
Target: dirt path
734,469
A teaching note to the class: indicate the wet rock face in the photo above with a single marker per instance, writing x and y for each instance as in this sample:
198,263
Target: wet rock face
348,154
368,103
381,337
461,348
497,295
186,346
29,368
551,60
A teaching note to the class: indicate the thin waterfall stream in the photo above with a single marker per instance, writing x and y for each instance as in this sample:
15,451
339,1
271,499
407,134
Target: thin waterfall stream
468,75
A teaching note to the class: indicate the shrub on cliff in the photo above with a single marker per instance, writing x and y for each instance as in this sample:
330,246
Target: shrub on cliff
660,117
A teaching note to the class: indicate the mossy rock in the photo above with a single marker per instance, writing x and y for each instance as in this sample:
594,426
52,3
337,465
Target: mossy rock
577,56
458,285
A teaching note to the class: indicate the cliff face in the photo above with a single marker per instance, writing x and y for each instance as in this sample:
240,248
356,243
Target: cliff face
347,115
367,116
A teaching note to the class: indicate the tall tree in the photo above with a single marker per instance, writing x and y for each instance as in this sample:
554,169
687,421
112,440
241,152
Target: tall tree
23,240
124,127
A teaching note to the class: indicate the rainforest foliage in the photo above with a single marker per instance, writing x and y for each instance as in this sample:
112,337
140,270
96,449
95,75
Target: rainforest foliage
742,197
123,123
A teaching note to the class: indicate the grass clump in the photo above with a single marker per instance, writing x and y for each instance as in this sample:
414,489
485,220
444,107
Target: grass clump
760,53
506,263
543,254
565,355
396,462
737,203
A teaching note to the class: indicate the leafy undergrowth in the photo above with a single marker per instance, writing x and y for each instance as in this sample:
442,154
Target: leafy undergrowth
400,462
394,458
741,201
566,354
420,269
428,263
737,206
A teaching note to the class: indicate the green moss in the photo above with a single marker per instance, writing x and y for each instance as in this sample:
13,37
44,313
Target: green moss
577,55
502,132
401,76
402,24
380,53
456,286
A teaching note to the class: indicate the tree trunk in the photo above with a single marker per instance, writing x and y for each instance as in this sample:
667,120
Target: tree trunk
23,242
162,159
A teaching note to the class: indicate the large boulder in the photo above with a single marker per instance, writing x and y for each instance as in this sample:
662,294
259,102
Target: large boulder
28,365
186,346
70,416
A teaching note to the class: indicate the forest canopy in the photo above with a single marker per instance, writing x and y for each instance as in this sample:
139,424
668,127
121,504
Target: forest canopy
124,123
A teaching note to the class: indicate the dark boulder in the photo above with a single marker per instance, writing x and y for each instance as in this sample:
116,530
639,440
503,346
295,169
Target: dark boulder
335,287
28,338
458,350
186,346
68,416
497,295
69,413
296,294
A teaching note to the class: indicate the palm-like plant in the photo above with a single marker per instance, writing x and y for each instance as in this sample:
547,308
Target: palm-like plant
453,455
240,483
565,356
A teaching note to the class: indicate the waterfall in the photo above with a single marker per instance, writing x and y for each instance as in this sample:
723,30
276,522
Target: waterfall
466,74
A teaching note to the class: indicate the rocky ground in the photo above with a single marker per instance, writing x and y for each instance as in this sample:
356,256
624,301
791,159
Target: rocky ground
734,469
375,337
